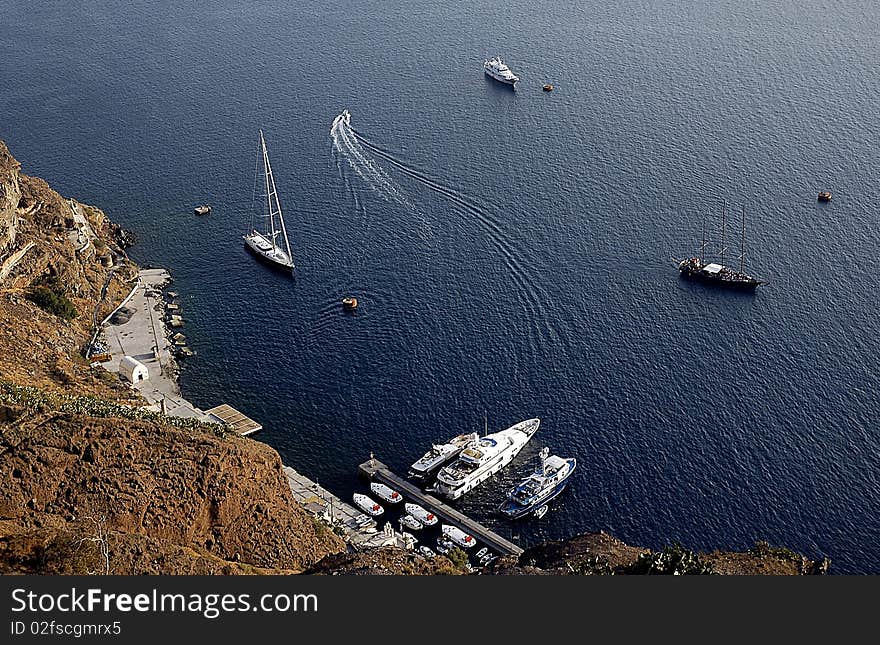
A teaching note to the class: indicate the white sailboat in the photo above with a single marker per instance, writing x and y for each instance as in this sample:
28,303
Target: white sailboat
265,243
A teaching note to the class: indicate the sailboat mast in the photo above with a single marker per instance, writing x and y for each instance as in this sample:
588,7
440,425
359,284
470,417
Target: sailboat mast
268,170
703,241
723,223
742,244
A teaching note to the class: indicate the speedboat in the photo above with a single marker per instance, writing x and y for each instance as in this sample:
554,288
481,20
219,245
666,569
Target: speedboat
482,552
498,69
546,482
408,521
343,118
479,461
368,505
427,551
457,536
425,517
439,455
386,493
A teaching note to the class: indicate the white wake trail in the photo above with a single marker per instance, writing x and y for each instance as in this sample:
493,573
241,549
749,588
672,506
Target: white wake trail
364,166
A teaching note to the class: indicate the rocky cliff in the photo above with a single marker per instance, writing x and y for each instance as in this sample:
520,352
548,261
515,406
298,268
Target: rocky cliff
154,496
10,196
82,490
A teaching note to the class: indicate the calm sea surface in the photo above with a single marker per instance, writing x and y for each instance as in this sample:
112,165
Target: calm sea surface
511,250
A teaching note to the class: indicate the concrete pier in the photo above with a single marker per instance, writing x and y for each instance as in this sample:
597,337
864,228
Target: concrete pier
238,421
375,470
361,531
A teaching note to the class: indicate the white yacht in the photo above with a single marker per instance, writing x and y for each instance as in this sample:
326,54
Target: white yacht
368,505
547,481
457,536
386,493
498,69
439,455
422,515
478,462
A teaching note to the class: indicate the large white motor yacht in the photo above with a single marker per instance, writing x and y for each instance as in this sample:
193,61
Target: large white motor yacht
439,455
546,482
480,461
498,69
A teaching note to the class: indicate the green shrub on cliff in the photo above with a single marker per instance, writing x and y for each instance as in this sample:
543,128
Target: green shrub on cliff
49,294
458,557
672,560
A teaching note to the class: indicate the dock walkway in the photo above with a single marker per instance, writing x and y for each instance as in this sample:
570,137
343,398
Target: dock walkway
375,470
361,531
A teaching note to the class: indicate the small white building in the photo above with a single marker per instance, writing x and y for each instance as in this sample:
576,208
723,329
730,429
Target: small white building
133,370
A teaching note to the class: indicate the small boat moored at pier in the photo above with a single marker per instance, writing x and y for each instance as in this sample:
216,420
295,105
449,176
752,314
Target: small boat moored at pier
368,505
386,493
457,536
408,521
425,517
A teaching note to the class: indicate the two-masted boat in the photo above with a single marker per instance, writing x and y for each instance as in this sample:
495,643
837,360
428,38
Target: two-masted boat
269,241
718,273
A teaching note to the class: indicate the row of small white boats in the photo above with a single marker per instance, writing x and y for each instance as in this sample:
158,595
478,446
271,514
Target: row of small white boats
416,518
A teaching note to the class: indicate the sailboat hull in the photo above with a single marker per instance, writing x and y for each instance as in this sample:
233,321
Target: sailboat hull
262,248
726,278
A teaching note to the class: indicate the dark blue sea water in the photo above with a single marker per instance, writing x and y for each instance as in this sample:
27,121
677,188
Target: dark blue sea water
511,250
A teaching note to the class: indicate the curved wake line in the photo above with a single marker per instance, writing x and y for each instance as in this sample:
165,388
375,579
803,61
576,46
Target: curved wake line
536,297
347,145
